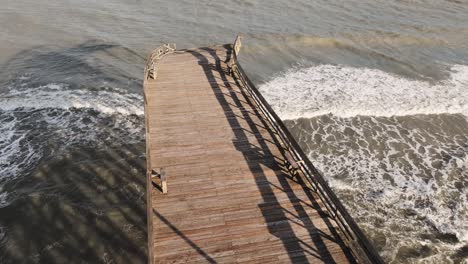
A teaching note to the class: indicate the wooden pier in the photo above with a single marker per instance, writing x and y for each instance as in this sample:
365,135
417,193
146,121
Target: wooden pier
227,183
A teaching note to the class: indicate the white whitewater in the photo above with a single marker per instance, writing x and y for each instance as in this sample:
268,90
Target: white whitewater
31,117
346,92
59,96
378,138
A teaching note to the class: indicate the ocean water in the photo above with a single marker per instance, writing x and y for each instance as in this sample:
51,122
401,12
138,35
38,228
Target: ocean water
376,92
393,149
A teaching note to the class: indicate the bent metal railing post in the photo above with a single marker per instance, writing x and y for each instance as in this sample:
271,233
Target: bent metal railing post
151,73
355,238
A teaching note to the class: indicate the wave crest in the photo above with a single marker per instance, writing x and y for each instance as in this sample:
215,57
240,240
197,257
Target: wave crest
37,122
60,96
347,92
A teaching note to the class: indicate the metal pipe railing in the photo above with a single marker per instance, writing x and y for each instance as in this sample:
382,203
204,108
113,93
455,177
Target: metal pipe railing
357,241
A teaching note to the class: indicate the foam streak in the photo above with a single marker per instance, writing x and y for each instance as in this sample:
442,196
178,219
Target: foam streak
347,92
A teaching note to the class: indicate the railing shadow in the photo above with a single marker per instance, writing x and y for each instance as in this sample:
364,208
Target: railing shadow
184,237
82,202
255,158
90,208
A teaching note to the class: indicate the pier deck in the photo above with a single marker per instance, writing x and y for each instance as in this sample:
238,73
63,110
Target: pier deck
230,198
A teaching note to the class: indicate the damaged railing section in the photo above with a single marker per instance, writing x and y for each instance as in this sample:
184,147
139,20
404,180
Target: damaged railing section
156,55
298,160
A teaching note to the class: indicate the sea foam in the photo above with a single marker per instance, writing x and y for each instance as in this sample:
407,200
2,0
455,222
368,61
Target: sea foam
33,117
394,170
346,92
60,96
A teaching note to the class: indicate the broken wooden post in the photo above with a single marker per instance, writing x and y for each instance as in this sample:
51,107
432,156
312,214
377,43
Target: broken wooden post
163,180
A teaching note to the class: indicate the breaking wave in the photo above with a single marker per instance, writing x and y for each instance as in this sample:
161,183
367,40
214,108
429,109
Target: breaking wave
395,150
347,92
60,96
39,121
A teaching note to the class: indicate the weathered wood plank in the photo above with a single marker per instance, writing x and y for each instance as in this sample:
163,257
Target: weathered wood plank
229,198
